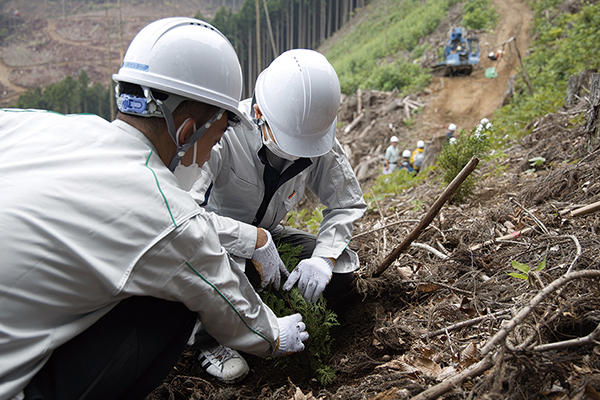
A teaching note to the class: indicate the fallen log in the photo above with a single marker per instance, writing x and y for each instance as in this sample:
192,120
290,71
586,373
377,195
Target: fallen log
355,122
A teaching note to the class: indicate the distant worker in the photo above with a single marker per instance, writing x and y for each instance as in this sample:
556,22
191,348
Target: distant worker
392,154
495,55
405,164
416,158
451,131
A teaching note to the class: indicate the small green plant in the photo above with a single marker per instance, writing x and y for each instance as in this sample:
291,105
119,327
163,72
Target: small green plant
525,269
479,14
535,163
318,319
455,156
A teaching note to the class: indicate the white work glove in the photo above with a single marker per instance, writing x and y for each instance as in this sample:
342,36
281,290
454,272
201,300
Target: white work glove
312,275
268,264
292,332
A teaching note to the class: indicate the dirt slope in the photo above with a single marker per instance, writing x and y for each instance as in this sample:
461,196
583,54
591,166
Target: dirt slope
465,100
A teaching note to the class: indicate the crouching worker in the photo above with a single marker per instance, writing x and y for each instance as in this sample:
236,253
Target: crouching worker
107,261
256,175
405,163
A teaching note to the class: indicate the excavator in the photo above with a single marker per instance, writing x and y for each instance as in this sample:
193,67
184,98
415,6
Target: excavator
461,53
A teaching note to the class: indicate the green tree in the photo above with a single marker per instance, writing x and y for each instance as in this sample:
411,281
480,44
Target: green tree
69,96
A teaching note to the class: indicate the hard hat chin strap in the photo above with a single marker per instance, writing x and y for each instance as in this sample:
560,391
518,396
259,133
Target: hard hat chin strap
182,148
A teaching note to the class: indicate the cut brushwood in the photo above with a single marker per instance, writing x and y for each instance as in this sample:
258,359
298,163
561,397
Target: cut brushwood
426,220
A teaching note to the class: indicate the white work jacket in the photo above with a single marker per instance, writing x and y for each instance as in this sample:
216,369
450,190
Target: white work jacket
236,173
392,154
90,215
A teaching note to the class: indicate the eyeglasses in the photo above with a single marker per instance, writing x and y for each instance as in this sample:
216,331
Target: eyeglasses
232,119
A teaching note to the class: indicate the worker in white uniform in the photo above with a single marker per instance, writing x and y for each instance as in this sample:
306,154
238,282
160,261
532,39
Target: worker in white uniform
392,154
107,261
257,175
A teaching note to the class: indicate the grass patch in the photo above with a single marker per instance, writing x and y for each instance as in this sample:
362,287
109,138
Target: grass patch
479,14
393,184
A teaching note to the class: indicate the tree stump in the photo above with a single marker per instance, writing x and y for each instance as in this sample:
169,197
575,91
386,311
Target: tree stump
591,126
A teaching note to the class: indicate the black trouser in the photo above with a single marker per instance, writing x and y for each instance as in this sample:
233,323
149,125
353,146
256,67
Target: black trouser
124,355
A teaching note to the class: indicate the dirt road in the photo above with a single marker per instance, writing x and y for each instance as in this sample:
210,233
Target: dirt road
465,100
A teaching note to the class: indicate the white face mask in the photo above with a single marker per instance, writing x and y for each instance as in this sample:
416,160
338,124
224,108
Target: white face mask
187,175
274,148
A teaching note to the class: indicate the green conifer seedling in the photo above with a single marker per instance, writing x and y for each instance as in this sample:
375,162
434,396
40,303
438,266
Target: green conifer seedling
318,319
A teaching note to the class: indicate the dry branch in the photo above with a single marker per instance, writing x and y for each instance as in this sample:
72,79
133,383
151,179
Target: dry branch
474,370
589,339
511,235
411,221
355,122
532,215
426,220
366,130
430,249
575,213
502,333
577,246
590,208
483,365
466,323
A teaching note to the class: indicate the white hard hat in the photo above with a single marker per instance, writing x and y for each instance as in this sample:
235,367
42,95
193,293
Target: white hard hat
299,95
421,144
451,127
394,139
406,153
188,58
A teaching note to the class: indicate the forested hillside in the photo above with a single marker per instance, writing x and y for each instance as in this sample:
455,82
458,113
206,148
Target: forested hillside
261,30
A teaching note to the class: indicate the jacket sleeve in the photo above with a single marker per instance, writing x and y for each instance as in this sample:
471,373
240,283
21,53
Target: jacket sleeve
238,238
189,265
334,182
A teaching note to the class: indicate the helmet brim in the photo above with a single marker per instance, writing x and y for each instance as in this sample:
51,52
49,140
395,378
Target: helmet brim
196,93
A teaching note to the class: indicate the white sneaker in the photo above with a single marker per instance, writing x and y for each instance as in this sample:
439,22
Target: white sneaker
223,363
